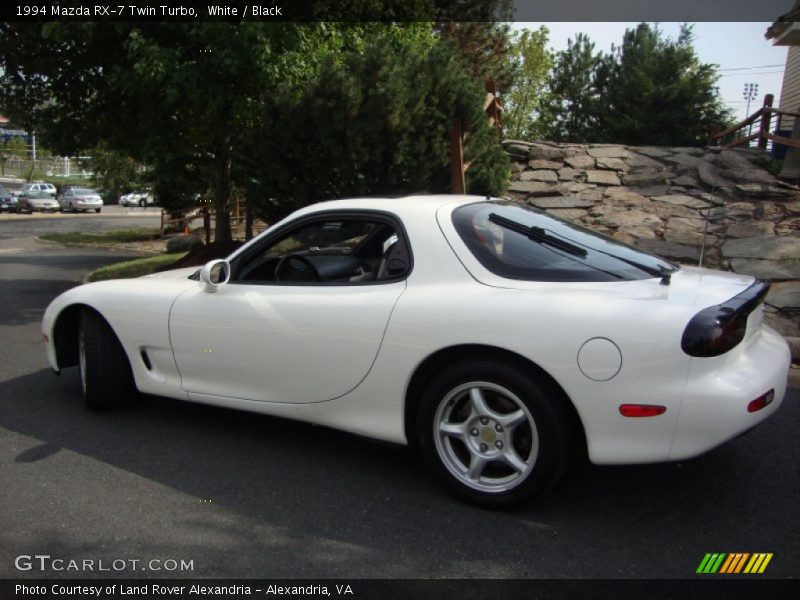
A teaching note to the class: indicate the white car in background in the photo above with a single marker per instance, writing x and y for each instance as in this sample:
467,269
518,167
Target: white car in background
38,186
500,341
80,199
142,199
36,201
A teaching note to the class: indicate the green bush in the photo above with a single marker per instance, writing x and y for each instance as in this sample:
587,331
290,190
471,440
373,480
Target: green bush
375,122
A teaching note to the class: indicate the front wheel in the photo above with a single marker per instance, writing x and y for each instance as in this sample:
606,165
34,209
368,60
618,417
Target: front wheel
97,210
106,377
495,435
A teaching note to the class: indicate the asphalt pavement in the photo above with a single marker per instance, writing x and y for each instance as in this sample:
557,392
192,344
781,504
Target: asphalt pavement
242,495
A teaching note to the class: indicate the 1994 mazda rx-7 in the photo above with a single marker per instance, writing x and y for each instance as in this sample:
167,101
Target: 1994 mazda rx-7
502,342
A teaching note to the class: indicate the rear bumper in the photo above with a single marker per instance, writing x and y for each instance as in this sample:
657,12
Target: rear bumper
718,390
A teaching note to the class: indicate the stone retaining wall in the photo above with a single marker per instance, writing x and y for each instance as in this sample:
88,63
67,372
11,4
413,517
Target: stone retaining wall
670,201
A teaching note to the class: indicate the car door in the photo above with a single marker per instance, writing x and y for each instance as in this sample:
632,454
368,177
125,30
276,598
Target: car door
271,337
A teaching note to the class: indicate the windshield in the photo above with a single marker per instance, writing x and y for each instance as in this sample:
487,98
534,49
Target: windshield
519,242
83,191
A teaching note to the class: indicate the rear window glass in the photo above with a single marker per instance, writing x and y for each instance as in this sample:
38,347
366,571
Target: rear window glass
518,242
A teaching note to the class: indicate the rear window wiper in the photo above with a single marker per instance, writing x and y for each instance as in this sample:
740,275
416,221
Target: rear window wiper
539,235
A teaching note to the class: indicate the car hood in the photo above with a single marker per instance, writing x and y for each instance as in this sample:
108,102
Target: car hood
173,274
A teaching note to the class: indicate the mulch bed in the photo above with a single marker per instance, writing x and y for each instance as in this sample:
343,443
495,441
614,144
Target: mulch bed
200,256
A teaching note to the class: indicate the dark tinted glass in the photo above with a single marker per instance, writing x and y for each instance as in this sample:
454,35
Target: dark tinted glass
510,254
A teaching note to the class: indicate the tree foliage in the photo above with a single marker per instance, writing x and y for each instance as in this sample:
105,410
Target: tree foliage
288,112
650,90
526,101
116,173
574,102
654,90
376,121
480,34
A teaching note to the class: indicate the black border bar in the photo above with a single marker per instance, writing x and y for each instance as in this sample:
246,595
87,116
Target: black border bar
707,587
399,10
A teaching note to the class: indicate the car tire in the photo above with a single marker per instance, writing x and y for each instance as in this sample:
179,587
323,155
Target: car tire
142,203
97,210
105,373
495,435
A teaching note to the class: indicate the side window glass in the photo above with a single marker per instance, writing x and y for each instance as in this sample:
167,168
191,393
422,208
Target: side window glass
330,251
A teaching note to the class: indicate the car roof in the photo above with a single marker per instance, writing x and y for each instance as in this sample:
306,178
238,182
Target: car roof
429,203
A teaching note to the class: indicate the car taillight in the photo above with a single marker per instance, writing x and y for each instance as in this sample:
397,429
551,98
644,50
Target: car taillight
718,329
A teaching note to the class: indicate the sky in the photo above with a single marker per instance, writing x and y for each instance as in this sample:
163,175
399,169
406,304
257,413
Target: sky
740,50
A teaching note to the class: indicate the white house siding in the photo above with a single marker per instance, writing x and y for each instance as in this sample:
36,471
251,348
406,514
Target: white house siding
790,92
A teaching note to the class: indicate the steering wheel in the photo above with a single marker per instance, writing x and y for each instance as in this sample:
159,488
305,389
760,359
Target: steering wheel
306,267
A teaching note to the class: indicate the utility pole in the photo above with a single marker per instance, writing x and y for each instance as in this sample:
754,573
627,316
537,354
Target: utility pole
750,93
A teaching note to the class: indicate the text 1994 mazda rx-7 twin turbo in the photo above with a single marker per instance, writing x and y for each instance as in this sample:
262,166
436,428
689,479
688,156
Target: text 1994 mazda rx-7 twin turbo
502,342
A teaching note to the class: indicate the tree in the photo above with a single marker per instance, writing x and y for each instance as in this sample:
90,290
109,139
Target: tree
479,31
15,147
375,120
655,91
525,103
287,112
173,95
115,173
572,104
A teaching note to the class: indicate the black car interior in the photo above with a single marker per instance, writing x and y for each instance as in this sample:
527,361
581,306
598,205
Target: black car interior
330,251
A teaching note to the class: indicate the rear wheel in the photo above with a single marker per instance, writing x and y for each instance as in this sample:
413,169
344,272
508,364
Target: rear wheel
142,203
106,377
496,436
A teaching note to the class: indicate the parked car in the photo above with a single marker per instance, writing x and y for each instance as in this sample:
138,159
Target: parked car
142,199
80,199
30,201
38,187
500,341
7,200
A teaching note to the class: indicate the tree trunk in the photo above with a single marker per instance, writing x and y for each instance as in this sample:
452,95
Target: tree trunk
248,220
222,186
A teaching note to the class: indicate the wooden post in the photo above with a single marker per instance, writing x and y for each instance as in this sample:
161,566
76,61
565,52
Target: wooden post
493,108
248,220
766,116
712,135
207,224
457,183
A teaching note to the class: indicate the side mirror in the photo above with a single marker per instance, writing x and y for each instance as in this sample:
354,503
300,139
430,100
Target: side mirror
215,273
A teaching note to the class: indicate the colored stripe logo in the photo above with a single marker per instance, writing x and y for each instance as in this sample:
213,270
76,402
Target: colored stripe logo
734,563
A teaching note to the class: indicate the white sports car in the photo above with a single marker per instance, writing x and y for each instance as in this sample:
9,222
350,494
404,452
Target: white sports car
502,342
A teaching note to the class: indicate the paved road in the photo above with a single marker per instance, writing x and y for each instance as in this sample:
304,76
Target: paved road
246,495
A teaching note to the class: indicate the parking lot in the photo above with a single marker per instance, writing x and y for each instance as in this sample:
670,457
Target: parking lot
112,210
242,495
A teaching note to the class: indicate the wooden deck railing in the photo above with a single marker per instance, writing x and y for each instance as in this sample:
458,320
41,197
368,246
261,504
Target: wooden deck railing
758,127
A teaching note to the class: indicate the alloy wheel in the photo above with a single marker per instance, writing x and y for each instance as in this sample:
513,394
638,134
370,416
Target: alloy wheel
486,437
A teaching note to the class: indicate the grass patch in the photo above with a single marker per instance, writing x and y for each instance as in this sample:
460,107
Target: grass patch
134,268
103,237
